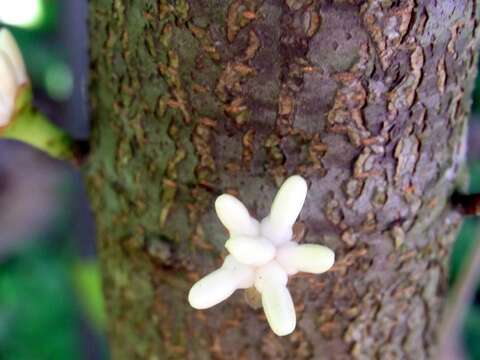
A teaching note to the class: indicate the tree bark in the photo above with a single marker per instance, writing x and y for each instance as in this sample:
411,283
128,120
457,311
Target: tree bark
368,100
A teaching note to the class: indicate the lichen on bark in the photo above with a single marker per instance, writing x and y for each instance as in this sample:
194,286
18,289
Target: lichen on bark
368,100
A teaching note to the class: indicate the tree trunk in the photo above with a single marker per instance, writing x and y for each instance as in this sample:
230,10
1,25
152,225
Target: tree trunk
368,100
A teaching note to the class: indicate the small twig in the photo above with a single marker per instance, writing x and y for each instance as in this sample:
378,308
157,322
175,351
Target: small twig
80,150
468,205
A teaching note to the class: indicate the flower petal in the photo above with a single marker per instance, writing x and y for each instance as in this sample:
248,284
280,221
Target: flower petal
235,217
243,275
251,250
212,289
9,46
310,258
220,284
271,281
271,273
289,201
286,207
279,309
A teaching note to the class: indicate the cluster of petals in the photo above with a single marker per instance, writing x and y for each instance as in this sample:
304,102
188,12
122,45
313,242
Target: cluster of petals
263,255
13,75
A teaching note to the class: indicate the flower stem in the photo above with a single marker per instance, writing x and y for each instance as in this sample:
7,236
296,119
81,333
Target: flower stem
33,128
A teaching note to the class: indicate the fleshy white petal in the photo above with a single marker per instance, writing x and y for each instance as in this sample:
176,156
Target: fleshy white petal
251,250
243,275
284,257
279,309
289,201
9,46
310,258
271,273
271,281
286,207
8,89
212,289
235,217
277,235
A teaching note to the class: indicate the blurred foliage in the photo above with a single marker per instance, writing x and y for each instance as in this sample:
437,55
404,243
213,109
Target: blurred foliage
38,319
46,63
86,279
472,332
462,248
469,234
47,291
475,176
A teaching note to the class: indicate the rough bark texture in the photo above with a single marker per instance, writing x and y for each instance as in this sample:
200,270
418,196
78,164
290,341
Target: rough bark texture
367,99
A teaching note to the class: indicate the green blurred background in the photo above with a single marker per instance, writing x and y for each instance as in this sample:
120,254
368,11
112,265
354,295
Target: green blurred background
50,298
51,305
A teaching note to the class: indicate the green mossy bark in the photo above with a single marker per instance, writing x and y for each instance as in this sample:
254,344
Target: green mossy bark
368,100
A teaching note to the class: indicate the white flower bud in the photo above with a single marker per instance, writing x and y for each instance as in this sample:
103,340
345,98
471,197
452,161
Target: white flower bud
12,75
9,47
8,90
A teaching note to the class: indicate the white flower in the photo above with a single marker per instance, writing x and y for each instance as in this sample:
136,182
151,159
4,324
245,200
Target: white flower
263,255
13,75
